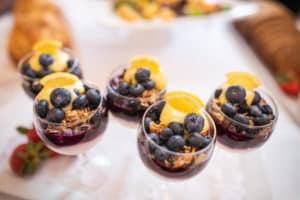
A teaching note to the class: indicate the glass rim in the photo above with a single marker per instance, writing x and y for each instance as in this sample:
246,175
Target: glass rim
44,120
111,76
30,54
275,112
202,110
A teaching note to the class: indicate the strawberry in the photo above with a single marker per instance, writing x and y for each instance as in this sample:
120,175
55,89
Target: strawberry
31,133
26,158
33,136
52,154
290,87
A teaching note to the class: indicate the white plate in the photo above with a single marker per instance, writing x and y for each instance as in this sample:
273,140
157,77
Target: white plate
107,17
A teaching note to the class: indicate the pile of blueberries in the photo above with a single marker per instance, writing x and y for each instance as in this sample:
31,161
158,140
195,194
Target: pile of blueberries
142,76
61,98
258,113
177,135
45,61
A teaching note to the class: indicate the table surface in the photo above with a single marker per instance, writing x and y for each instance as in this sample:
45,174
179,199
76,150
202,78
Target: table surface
195,54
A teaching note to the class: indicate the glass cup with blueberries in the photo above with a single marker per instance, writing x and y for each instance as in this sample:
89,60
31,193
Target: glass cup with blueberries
176,137
244,114
69,115
132,89
47,57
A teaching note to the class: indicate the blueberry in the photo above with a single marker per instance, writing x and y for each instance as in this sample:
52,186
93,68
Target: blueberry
44,72
154,137
198,140
218,93
193,123
243,108
28,71
76,91
42,108
24,68
86,87
136,90
96,119
166,133
93,97
241,118
261,120
124,88
36,88
147,122
161,154
80,102
142,75
55,115
46,60
266,109
154,115
229,109
77,72
176,127
235,94
72,63
256,98
176,143
255,111
149,85
60,97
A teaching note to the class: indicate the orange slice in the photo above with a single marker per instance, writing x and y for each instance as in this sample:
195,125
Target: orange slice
245,79
178,105
59,79
146,61
47,46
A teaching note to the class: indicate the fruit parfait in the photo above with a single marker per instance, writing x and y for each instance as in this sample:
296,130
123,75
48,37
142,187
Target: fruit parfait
245,115
132,89
176,137
70,115
47,56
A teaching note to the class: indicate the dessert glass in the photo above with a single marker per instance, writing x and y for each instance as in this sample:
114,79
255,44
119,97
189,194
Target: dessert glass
238,136
28,83
76,137
130,109
173,165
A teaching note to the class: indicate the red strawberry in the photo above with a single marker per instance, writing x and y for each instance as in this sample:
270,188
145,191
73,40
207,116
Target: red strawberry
52,154
33,136
290,87
31,133
26,158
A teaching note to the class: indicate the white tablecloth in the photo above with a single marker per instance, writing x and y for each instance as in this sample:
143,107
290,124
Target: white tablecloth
195,54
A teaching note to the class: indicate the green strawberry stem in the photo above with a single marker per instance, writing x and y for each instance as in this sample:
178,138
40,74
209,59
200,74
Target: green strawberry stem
282,78
22,130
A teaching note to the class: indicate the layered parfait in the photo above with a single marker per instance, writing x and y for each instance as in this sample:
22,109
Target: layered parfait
245,115
47,57
134,87
176,136
70,115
